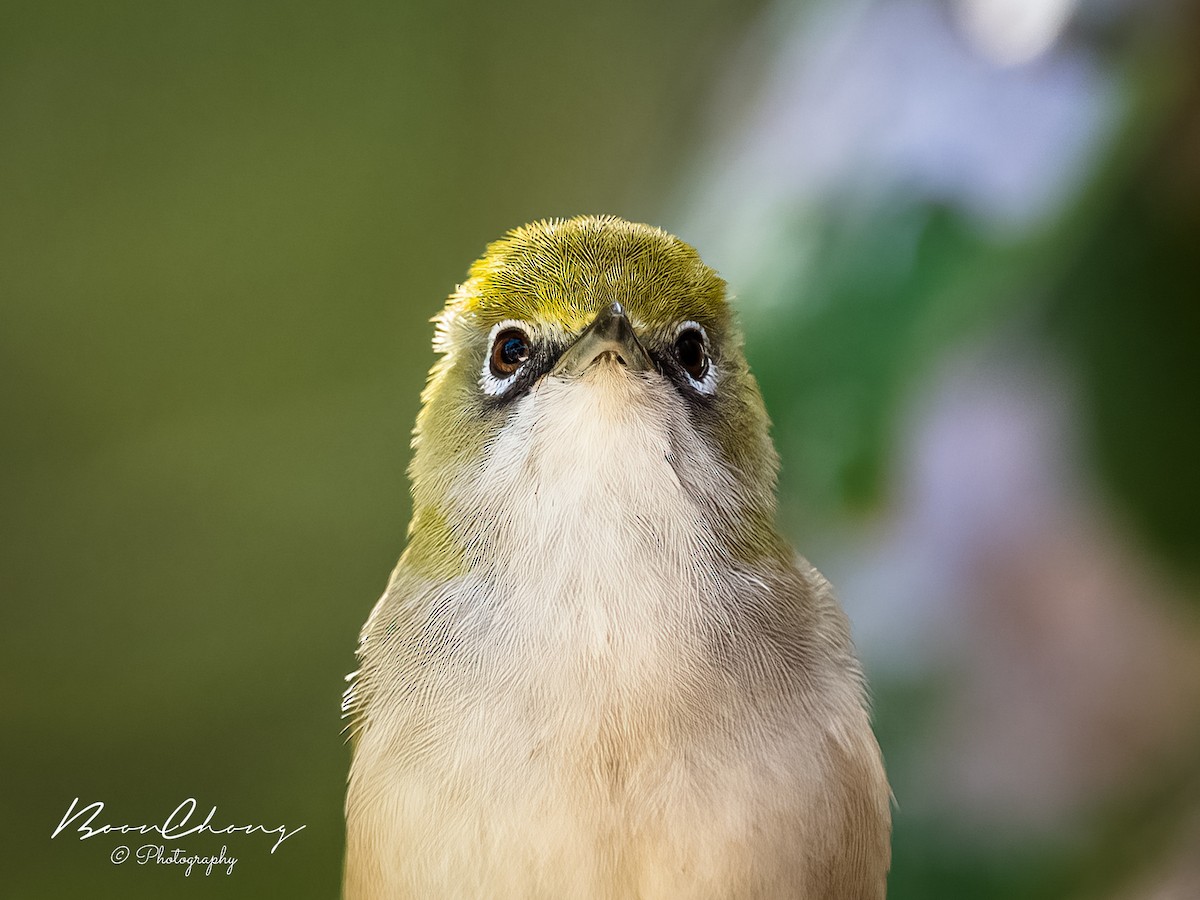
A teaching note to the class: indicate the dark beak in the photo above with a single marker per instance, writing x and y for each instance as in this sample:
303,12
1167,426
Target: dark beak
611,335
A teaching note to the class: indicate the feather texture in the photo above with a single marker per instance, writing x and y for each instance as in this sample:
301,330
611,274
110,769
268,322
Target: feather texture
598,671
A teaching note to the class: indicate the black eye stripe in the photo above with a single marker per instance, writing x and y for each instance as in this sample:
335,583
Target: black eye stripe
541,359
541,356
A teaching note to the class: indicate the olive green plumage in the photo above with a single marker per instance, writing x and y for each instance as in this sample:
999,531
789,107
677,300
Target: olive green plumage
565,270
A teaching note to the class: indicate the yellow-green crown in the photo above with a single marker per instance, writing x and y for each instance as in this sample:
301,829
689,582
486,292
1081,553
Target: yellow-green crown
564,270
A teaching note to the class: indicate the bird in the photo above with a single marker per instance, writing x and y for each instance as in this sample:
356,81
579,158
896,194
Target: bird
598,669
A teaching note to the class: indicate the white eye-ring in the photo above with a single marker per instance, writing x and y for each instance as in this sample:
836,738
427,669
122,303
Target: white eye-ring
691,352
509,349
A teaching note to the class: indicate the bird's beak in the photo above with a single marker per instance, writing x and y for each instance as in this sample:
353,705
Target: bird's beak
609,334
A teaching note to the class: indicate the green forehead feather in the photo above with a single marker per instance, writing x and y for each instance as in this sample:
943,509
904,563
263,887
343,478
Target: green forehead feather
565,271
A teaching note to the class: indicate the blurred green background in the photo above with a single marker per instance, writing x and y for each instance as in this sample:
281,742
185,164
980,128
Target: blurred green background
964,238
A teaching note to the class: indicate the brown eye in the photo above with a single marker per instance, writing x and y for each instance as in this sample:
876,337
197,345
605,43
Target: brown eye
689,350
509,351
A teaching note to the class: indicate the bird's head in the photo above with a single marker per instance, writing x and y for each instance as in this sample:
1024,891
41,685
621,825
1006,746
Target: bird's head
585,359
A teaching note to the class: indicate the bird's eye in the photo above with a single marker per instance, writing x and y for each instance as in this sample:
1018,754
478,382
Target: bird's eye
689,350
509,350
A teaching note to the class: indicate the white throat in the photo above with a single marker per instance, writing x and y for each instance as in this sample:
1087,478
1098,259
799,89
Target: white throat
588,538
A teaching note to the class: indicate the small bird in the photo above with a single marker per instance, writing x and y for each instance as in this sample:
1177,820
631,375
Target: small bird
598,670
